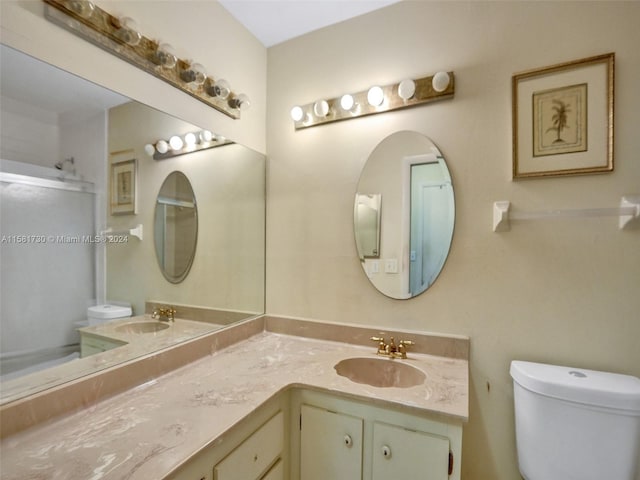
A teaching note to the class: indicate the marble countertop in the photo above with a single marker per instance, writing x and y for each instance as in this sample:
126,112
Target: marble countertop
148,431
134,345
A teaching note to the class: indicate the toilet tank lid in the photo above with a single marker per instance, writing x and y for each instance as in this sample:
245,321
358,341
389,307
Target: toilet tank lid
589,387
106,311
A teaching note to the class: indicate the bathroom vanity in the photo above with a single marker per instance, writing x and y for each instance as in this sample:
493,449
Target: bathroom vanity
269,406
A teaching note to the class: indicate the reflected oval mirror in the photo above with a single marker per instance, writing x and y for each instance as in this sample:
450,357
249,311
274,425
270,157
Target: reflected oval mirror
404,213
175,227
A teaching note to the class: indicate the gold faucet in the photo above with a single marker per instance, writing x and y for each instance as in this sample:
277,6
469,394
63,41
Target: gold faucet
164,314
392,350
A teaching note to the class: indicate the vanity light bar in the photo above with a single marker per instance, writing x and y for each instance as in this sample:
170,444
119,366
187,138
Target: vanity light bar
120,37
377,99
188,143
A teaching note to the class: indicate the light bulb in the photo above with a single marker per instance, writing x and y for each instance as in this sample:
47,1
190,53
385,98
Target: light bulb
194,73
149,149
206,136
297,113
127,31
406,89
321,108
440,81
162,146
165,56
347,102
241,102
83,8
375,96
219,88
190,139
176,143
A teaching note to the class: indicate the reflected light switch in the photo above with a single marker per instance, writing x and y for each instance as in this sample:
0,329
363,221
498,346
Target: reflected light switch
391,265
374,266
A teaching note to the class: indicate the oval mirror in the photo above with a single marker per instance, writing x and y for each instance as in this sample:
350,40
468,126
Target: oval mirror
175,227
404,212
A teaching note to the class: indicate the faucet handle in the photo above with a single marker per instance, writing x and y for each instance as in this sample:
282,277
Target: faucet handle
402,347
381,344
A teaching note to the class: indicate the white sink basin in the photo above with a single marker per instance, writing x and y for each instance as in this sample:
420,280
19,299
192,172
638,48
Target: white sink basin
380,372
142,327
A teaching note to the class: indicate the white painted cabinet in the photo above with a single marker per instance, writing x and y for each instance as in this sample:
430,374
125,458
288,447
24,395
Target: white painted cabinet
383,443
252,459
256,449
330,445
402,453
90,344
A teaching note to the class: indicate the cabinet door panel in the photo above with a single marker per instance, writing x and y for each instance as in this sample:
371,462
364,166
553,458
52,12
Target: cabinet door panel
255,454
276,472
331,445
402,453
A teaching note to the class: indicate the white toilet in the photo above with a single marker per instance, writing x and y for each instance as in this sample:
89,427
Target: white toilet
575,424
107,312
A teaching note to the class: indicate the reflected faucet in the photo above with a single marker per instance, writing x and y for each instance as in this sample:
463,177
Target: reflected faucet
392,350
164,314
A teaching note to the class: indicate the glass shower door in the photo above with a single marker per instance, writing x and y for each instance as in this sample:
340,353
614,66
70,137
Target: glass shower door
47,261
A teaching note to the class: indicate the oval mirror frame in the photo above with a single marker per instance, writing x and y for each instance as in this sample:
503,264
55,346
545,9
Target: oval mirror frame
175,230
404,215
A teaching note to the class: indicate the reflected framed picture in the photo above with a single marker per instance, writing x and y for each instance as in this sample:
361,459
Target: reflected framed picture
563,118
123,187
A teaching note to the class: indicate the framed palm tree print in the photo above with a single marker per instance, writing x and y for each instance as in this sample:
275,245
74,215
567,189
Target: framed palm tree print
563,118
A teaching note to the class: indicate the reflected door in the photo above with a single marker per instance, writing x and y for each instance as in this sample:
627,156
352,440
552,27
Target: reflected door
431,216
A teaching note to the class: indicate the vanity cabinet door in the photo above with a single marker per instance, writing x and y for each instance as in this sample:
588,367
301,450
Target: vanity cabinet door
402,453
276,472
90,345
330,445
255,455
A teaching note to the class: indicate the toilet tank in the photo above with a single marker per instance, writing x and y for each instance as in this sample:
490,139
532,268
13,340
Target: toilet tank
107,312
576,424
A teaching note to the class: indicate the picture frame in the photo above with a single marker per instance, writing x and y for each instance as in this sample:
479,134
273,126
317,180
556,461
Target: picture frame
123,191
563,119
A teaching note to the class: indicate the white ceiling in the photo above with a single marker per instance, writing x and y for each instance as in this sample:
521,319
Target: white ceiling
275,21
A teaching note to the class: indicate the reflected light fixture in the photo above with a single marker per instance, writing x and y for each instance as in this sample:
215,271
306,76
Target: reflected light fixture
120,36
181,145
409,92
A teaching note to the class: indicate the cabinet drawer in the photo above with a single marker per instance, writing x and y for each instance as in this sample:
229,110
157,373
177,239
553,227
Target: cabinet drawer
252,458
276,472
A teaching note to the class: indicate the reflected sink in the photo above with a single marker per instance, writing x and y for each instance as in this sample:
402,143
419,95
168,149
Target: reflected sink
142,327
380,372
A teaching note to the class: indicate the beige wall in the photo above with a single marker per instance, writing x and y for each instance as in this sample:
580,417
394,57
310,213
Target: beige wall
203,31
562,292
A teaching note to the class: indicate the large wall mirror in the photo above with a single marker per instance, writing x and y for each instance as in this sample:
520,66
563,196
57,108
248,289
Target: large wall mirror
58,146
404,214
